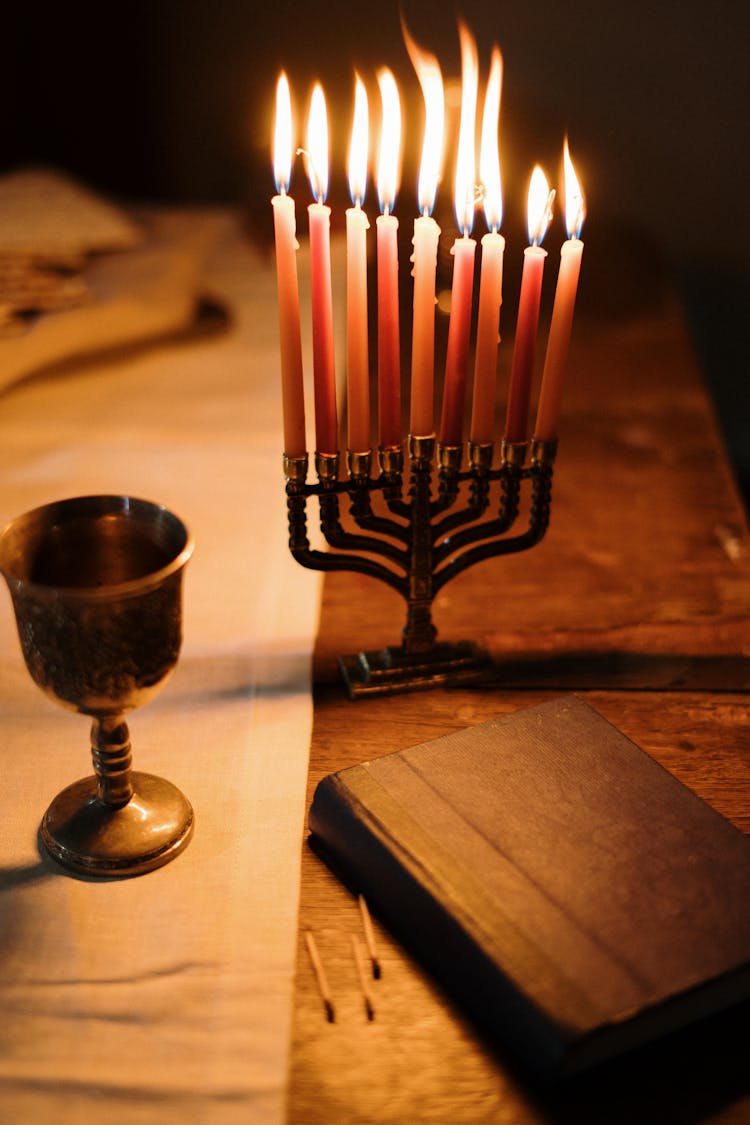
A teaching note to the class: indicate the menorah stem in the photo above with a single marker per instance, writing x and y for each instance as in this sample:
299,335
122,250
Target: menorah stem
420,633
110,750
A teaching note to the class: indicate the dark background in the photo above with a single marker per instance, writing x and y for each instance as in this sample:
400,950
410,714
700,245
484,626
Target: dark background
173,101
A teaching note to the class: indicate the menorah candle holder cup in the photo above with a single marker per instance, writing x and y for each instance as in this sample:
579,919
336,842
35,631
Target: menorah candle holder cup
415,533
96,584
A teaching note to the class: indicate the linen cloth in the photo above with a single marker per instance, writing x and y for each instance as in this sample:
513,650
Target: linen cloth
165,997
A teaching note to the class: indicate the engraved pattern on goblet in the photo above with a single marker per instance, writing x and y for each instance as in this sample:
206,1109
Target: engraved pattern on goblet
96,584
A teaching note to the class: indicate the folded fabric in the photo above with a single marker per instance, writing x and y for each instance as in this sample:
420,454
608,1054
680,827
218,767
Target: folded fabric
79,275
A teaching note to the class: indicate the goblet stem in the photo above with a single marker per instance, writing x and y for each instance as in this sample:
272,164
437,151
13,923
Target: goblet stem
110,750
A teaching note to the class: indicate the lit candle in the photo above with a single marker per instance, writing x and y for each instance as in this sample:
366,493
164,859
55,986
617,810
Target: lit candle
522,366
358,364
285,232
562,313
491,276
326,426
426,236
463,250
389,345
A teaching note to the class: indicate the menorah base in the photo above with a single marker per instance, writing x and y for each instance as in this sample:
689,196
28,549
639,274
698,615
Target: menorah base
389,670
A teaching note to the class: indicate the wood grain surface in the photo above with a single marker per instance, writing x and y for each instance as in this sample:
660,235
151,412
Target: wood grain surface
638,600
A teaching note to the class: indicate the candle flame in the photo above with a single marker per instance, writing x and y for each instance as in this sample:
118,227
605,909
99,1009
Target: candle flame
575,201
489,155
431,81
282,138
390,141
465,189
358,147
317,144
539,210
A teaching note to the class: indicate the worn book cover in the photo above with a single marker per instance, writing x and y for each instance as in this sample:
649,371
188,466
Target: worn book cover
570,893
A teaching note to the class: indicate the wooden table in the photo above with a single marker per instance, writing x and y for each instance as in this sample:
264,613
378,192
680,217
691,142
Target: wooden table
639,600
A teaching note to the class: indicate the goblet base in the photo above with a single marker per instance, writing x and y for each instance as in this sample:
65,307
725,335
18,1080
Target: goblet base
90,837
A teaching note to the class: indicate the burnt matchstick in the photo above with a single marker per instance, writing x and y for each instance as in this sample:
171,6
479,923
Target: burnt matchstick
361,973
320,976
369,938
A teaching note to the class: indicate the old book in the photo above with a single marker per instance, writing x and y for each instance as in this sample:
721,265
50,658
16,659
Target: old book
573,896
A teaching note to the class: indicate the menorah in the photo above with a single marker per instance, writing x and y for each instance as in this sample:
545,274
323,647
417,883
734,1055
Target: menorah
416,535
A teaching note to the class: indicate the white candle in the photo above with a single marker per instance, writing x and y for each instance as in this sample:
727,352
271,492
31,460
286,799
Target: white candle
488,337
459,332
326,424
389,344
389,341
426,236
464,250
524,345
555,362
491,276
285,234
357,352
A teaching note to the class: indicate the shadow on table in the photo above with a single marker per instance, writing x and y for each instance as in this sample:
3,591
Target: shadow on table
13,877
637,671
681,1080
588,670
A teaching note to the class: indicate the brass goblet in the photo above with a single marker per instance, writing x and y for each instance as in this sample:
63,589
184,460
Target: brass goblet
96,583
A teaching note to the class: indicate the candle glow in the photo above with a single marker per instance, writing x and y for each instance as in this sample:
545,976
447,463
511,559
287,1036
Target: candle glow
539,206
283,146
431,80
390,141
465,181
317,144
575,203
489,152
358,146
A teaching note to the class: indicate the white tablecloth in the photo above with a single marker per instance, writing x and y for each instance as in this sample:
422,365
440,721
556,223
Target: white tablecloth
166,997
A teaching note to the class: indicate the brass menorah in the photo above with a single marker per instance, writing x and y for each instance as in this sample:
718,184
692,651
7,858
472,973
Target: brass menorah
426,529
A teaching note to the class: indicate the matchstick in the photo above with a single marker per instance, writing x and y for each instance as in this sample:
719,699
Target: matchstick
369,937
359,962
320,976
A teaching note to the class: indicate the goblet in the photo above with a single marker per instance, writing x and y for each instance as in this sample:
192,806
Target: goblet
96,583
